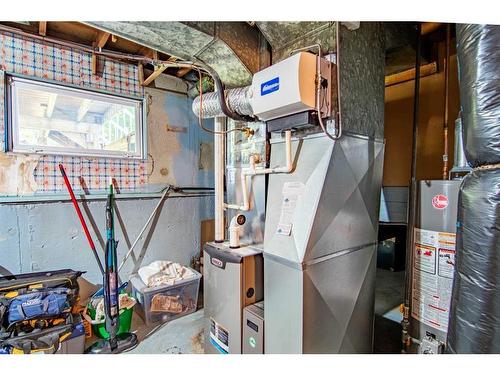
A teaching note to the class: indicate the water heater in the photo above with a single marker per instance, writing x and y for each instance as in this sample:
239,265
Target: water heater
433,263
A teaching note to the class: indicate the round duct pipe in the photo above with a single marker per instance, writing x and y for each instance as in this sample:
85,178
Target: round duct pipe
238,100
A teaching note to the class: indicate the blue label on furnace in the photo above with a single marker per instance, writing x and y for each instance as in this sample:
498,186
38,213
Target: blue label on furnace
270,86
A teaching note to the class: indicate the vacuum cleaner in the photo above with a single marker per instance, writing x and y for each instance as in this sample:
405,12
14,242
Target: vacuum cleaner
116,343
124,341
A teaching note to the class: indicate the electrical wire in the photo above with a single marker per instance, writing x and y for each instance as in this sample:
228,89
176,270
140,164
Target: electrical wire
200,116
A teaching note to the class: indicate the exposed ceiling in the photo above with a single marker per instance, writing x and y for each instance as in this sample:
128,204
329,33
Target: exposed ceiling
235,50
231,48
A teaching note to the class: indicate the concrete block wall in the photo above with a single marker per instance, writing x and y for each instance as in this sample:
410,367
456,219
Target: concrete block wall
48,236
41,232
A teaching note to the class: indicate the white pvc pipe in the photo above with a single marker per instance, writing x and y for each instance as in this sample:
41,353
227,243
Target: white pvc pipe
234,233
288,154
219,166
246,201
252,171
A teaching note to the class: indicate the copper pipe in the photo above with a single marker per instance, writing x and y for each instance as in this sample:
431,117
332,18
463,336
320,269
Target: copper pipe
412,196
446,100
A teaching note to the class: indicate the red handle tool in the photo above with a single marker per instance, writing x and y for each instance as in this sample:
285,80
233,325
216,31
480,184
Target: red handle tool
80,216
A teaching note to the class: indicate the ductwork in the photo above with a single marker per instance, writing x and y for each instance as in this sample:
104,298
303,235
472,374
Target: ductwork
475,309
232,49
285,37
479,59
362,70
237,99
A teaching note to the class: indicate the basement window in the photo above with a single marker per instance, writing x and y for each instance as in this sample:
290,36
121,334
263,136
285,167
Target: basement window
48,118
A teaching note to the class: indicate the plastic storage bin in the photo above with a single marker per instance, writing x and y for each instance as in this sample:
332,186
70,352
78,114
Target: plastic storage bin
164,303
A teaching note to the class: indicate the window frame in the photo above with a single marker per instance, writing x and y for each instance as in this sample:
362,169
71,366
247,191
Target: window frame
12,127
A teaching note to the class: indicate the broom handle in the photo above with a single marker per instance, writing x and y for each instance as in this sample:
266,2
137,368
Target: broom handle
80,216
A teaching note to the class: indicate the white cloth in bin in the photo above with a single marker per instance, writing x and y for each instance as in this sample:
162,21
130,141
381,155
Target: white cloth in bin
162,272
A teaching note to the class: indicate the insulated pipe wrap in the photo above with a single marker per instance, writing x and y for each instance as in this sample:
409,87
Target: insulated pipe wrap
238,100
479,60
475,305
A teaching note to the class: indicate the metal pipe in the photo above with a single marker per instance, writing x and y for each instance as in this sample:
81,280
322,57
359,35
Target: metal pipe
288,168
337,64
446,100
252,171
238,100
338,130
412,198
219,166
129,252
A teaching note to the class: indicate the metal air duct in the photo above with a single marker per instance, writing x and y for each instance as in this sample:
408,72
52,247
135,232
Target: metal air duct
232,49
238,100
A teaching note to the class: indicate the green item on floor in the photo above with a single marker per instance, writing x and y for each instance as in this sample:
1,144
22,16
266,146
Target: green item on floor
99,328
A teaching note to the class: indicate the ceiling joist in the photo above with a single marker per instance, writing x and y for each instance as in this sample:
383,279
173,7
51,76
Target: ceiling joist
148,52
42,28
83,34
102,39
158,70
408,75
182,72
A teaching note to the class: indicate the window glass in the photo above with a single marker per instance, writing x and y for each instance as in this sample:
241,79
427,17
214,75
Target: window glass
49,118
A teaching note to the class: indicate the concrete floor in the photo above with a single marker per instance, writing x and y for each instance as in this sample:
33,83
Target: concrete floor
389,294
185,335
181,336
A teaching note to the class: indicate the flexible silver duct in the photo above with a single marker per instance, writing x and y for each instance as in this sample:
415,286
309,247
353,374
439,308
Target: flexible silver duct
478,62
238,100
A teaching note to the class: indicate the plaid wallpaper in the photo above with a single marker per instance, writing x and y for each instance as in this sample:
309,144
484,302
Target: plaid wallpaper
31,57
2,107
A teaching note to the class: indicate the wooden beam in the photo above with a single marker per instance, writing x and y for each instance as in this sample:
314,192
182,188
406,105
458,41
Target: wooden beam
140,74
102,39
182,72
42,28
408,75
158,70
429,27
148,52
94,61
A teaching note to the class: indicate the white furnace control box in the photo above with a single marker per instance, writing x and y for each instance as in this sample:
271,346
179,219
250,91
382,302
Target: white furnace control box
289,87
